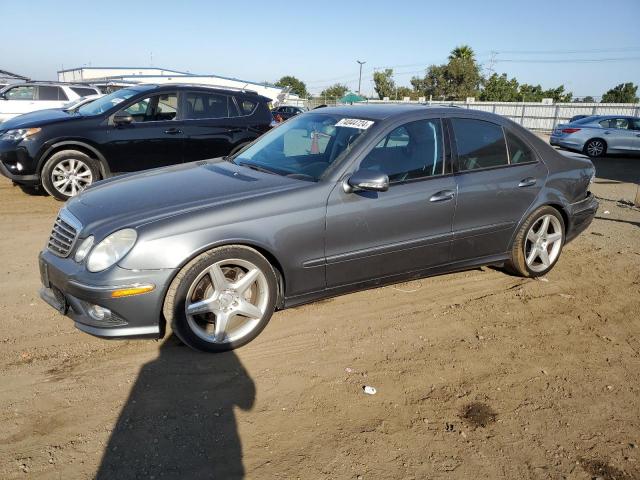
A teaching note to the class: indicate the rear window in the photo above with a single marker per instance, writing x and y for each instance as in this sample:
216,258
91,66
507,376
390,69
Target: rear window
84,92
246,106
46,92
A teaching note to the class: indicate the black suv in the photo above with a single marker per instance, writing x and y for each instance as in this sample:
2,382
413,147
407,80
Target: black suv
136,128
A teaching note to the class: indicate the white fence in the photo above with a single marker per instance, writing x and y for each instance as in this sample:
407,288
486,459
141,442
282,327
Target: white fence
534,116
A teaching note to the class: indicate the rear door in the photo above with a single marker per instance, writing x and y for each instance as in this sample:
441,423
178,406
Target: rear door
635,125
407,228
618,133
155,138
51,96
212,125
498,176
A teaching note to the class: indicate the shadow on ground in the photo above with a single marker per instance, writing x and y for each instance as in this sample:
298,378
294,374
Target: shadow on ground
179,419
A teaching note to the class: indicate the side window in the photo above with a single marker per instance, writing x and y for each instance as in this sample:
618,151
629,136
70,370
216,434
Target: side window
621,123
154,109
608,123
21,93
248,106
480,144
46,92
411,151
636,123
519,152
84,92
200,105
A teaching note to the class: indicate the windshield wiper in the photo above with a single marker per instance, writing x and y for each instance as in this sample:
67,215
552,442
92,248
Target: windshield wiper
257,168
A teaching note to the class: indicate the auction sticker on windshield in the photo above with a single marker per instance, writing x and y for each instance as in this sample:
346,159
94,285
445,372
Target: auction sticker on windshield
354,123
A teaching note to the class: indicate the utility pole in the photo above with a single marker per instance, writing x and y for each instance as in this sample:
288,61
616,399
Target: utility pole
360,78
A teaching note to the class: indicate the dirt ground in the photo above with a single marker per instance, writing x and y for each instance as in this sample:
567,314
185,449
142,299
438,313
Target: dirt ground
478,374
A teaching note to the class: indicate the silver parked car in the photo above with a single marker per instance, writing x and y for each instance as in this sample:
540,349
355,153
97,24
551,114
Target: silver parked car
331,201
598,135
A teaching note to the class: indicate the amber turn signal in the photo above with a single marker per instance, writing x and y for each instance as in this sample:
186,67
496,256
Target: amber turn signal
128,292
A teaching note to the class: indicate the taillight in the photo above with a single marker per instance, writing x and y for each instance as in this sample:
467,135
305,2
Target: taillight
570,130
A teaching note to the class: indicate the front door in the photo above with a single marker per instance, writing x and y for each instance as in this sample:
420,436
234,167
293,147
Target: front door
495,184
407,228
155,138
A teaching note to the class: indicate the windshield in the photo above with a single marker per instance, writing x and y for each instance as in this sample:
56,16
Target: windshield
305,146
107,102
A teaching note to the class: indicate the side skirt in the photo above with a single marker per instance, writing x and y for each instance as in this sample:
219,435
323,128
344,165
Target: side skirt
390,279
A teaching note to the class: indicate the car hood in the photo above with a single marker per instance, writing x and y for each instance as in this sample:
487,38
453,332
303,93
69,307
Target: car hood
136,199
39,118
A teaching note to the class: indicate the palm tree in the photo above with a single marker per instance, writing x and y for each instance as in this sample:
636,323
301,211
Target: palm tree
464,52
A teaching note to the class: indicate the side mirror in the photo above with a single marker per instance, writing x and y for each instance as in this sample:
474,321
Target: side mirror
122,118
2,96
367,180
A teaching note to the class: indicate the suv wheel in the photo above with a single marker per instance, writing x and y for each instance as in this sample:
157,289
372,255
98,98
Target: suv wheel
67,173
222,299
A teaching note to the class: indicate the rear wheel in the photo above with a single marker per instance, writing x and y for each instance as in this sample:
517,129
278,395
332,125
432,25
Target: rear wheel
222,299
595,147
67,173
538,243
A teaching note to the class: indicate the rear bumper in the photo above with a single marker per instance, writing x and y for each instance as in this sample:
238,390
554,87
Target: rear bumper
139,316
565,142
581,215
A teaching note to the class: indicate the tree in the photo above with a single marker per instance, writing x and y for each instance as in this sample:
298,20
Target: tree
623,93
498,88
402,92
337,90
298,87
458,79
463,52
384,84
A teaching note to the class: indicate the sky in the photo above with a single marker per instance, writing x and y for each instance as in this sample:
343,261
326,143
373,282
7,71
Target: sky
589,46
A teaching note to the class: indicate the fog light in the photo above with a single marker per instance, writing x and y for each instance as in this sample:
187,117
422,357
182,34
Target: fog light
19,166
99,313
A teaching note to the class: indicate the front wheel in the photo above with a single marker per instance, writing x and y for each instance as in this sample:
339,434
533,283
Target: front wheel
538,243
67,173
222,299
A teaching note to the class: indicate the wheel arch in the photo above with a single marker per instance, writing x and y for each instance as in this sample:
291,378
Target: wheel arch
83,147
261,249
554,203
606,145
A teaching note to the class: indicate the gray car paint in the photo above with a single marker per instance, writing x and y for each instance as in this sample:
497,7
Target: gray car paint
322,240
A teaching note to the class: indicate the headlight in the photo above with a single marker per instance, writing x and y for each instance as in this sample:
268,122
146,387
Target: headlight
84,248
19,134
111,249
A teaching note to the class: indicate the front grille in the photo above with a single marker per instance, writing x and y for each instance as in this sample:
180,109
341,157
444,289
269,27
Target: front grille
64,234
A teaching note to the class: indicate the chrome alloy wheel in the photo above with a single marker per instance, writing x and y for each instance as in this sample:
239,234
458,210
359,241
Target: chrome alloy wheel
226,301
71,176
543,244
595,148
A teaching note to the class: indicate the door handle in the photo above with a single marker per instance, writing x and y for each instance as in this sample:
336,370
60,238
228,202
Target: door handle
638,135
527,182
172,131
607,133
442,196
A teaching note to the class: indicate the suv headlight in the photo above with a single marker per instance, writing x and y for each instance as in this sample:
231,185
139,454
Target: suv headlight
19,134
111,249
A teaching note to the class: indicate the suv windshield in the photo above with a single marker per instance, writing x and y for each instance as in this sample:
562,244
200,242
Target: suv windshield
107,102
305,146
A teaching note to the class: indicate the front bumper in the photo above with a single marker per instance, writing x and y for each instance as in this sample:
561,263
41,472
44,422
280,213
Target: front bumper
17,163
72,290
581,215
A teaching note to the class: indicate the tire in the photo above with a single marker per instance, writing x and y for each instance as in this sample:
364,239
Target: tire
529,263
596,147
67,173
219,322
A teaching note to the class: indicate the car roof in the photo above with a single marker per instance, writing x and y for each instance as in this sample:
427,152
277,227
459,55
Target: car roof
386,110
195,86
57,84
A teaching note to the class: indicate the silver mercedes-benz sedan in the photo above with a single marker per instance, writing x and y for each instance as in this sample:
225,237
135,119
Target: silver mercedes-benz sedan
598,135
331,201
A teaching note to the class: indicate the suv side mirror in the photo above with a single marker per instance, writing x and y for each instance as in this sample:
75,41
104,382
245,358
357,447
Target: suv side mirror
122,118
367,180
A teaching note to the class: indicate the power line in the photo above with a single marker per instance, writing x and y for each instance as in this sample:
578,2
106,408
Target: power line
568,60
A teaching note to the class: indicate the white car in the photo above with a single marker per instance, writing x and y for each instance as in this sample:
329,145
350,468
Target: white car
28,97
